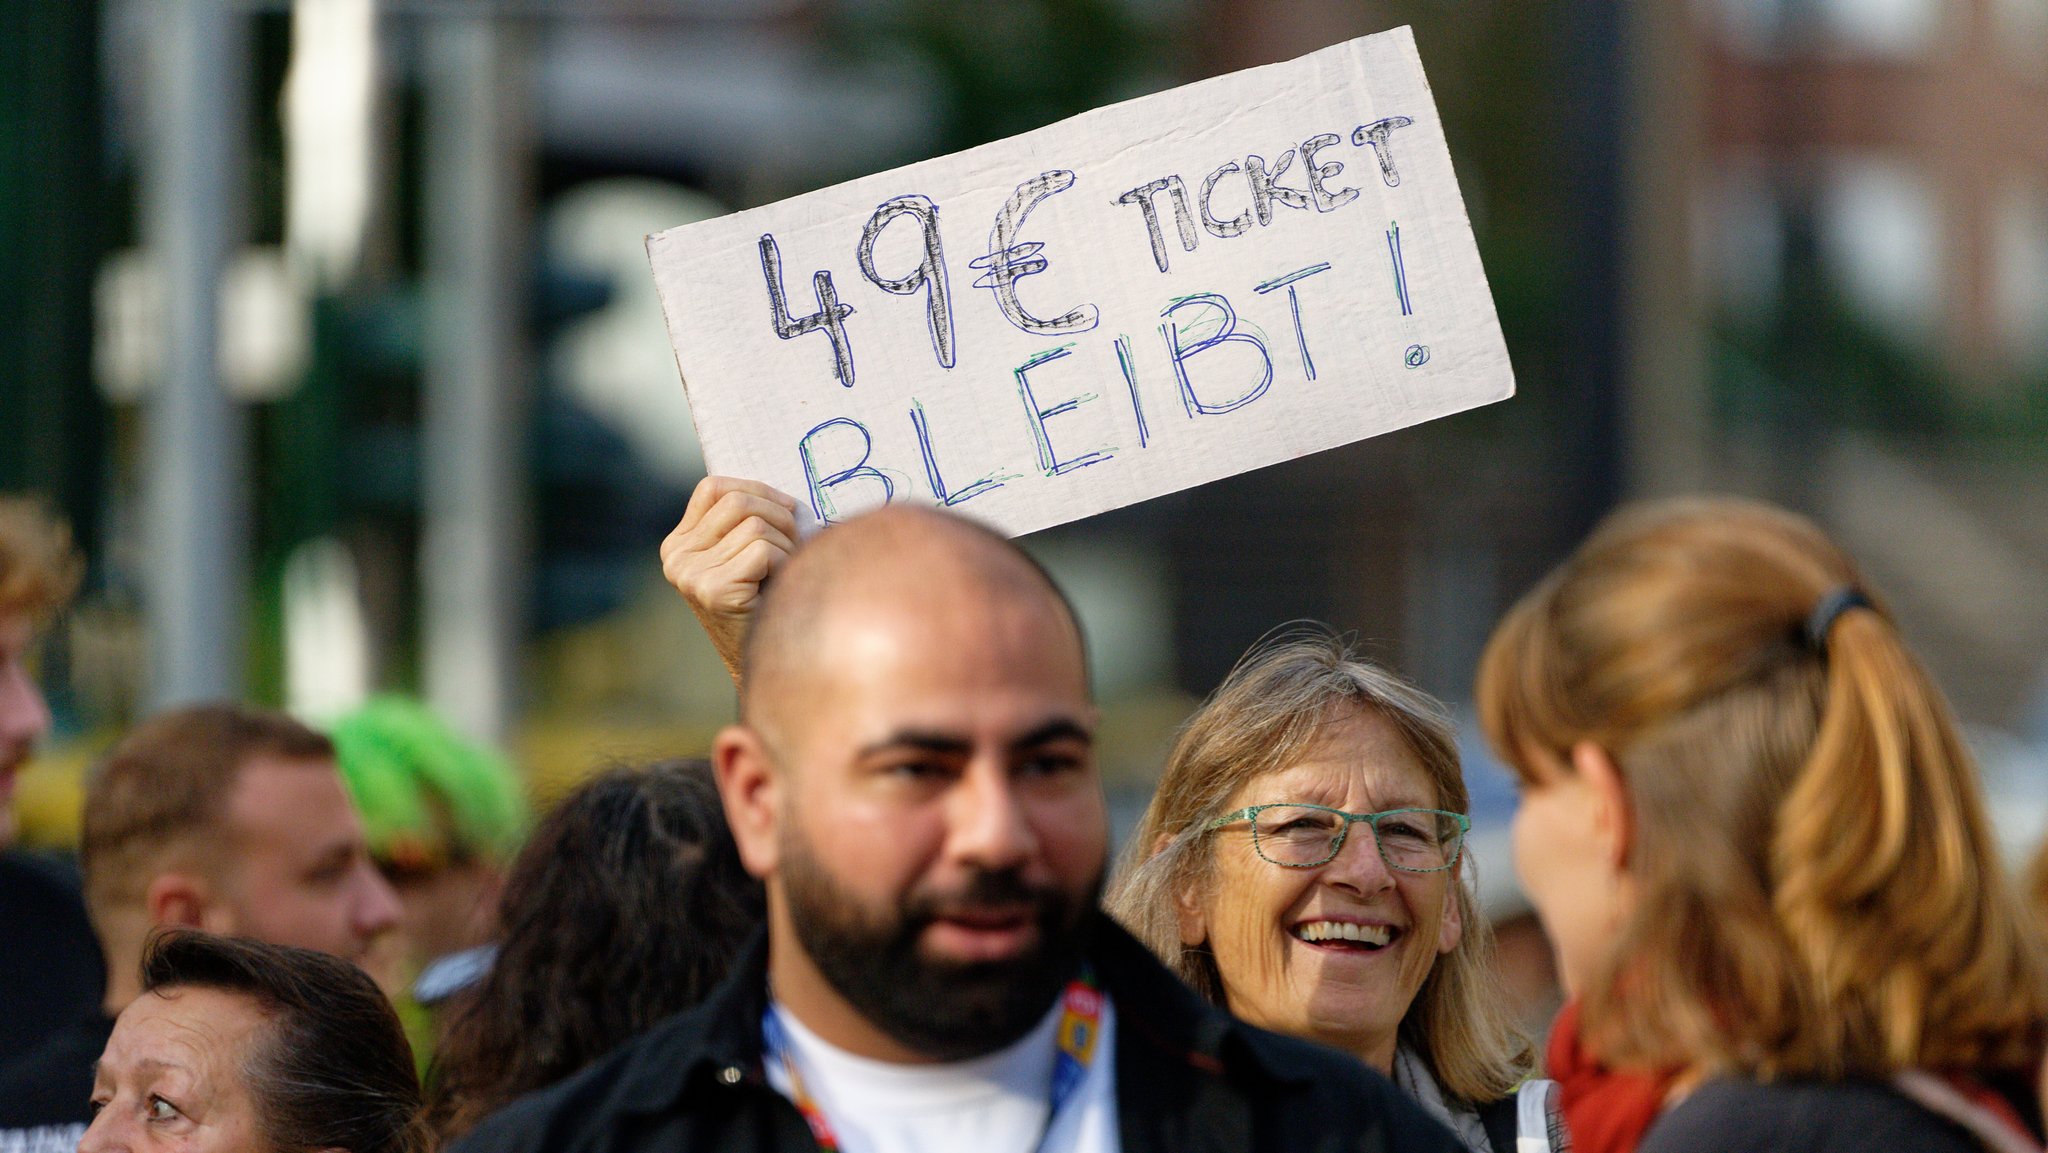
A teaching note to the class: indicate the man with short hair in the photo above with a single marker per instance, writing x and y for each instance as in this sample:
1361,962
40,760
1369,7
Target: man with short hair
50,967
216,817
913,778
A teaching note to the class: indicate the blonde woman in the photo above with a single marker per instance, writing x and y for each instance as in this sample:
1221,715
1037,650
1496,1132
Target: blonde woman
1301,864
1758,845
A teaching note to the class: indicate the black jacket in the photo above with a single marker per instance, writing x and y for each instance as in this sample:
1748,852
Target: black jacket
1732,1116
51,973
52,1085
1189,1079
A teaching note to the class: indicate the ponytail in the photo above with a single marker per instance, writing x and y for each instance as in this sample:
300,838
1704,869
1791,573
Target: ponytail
1887,883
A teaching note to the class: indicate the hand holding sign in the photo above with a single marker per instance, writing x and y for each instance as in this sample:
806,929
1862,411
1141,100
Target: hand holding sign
733,536
1139,299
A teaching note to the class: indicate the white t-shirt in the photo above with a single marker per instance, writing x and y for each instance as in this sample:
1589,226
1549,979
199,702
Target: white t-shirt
991,1104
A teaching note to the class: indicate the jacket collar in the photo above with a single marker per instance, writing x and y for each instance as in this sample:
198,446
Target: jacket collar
1153,1008
722,1033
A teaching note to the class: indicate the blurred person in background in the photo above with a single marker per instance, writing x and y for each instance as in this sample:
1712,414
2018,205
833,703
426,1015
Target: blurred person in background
628,905
442,815
1301,864
51,973
1758,844
215,817
235,1046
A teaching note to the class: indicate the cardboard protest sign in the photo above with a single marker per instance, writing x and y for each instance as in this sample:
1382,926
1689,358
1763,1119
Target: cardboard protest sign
1139,299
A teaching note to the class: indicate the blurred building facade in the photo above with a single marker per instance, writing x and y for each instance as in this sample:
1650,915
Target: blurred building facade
1870,224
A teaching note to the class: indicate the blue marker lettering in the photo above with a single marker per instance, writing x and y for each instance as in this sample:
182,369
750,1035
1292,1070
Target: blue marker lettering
829,319
1326,198
1308,366
1183,220
1267,189
992,481
929,275
1225,229
1375,136
1048,459
1180,351
1130,371
1008,261
822,504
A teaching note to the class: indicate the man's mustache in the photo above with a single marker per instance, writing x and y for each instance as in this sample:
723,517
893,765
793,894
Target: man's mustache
1000,890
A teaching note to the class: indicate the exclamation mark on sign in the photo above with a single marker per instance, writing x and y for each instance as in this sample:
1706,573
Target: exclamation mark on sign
1400,270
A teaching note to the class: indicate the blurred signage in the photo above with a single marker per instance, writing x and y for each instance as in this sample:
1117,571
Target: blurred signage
1131,302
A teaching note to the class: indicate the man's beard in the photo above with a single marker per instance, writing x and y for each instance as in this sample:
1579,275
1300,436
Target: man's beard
945,1010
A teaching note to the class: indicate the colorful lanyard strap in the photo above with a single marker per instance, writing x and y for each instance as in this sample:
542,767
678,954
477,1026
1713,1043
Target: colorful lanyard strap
1079,1029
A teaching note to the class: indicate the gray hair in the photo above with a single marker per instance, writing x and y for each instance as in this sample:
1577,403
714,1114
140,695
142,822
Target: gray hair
1261,719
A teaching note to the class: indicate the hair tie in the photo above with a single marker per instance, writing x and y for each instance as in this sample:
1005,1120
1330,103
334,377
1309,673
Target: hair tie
1831,607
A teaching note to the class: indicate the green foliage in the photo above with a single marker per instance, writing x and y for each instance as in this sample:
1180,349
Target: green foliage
1815,361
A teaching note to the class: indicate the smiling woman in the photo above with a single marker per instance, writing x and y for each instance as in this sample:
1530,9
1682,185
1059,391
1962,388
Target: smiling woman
1301,864
237,1046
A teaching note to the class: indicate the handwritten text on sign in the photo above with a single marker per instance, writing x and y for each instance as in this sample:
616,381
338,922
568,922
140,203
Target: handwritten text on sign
1140,299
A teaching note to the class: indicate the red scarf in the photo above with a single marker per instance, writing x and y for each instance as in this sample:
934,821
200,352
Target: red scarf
1605,1111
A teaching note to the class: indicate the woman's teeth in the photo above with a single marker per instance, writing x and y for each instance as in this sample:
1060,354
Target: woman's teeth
1374,936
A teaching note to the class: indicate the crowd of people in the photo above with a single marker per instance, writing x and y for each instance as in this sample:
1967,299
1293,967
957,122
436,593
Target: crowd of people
882,915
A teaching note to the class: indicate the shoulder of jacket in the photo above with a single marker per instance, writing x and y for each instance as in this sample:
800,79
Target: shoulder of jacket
1349,1096
645,1077
1292,1059
1802,1116
566,1117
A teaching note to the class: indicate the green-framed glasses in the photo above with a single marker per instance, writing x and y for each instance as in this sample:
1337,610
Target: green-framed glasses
1303,836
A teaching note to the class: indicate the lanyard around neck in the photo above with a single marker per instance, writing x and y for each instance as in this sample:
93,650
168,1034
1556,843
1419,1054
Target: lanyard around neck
1079,1028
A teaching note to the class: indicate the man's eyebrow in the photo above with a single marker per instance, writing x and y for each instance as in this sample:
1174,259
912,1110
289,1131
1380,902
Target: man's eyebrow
1063,729
337,853
952,744
930,742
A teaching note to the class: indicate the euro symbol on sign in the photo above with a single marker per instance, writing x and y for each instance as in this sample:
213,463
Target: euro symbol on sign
1009,261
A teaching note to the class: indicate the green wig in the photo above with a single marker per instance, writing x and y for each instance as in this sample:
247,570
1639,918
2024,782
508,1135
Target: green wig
428,797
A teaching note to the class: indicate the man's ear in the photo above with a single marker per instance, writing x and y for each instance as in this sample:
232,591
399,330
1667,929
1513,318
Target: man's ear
186,901
750,785
1613,822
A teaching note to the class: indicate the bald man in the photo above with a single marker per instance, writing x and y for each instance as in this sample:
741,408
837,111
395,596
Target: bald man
913,779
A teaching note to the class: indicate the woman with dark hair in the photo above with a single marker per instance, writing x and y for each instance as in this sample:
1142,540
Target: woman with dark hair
628,905
238,1046
1758,842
